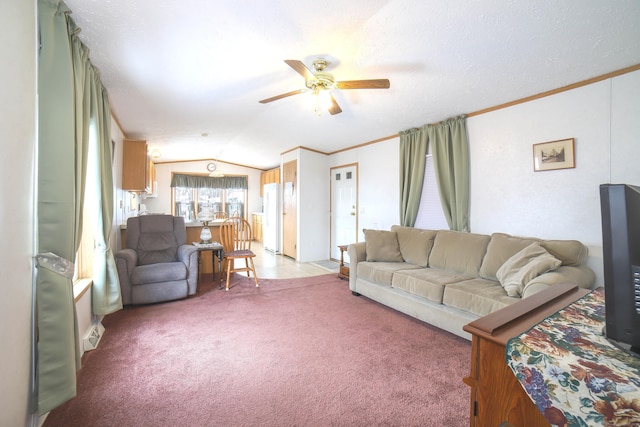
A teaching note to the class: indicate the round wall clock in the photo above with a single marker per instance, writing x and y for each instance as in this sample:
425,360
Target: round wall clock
211,167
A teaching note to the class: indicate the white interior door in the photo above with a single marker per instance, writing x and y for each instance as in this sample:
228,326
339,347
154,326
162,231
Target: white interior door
344,208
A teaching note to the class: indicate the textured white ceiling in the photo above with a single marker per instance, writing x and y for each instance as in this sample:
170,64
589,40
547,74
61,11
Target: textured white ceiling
178,70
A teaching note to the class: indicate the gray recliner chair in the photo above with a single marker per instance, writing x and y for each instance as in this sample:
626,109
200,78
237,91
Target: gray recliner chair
157,264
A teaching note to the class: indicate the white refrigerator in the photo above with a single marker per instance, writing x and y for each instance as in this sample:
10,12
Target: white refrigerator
271,217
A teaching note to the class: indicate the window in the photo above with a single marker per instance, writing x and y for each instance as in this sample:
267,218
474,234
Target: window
430,214
193,194
84,255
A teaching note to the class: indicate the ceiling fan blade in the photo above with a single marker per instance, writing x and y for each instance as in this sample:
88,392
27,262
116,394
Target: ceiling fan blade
283,95
300,68
364,84
335,108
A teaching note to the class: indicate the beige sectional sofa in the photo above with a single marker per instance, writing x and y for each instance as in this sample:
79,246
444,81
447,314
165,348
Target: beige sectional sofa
450,278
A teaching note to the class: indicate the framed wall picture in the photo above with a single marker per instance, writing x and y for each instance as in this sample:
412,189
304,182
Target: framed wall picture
554,155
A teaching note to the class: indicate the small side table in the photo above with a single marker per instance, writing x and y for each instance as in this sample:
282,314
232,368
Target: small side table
344,269
216,251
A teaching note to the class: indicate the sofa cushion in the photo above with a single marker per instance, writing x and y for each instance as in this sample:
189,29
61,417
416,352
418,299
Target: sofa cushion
501,247
382,246
477,296
381,272
524,266
458,251
428,283
415,244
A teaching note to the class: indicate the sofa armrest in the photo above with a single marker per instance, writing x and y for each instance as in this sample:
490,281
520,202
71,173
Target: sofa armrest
357,252
581,275
126,261
188,254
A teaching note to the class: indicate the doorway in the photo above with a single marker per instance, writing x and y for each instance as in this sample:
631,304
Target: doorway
344,207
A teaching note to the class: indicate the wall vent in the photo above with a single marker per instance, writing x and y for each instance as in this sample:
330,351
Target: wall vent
93,336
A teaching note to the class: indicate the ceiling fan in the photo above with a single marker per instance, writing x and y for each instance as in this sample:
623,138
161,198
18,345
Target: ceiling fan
320,82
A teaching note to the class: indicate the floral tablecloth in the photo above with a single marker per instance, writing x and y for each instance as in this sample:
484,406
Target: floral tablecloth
572,373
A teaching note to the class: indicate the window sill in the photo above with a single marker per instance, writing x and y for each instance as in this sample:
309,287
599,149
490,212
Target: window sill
80,287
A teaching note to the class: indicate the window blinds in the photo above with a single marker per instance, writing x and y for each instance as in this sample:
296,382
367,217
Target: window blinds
430,214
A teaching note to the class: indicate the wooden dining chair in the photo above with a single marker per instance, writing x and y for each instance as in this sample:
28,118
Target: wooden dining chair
236,236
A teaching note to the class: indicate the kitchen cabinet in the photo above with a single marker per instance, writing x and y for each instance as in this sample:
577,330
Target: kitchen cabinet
269,177
257,227
138,171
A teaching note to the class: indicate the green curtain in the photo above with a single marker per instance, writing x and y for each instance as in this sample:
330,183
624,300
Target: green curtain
450,148
204,181
73,114
57,338
106,297
413,151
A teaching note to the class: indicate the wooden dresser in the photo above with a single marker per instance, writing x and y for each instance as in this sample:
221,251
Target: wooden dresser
497,398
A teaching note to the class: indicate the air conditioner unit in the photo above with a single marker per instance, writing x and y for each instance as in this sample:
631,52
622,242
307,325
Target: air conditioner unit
93,336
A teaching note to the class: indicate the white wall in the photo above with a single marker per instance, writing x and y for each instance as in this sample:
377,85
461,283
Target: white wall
507,195
313,206
84,318
625,129
18,135
378,183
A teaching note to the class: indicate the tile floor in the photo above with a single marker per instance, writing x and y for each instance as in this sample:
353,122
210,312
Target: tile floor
272,266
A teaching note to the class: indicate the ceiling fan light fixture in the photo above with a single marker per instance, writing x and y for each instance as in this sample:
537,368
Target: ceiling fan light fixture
322,101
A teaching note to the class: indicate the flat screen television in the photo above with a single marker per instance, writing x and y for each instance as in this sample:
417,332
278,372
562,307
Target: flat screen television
620,208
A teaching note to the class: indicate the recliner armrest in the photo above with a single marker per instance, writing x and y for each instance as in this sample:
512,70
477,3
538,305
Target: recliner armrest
185,252
126,261
188,254
129,257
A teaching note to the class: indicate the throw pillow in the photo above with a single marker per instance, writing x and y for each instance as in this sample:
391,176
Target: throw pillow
524,266
501,247
415,244
382,245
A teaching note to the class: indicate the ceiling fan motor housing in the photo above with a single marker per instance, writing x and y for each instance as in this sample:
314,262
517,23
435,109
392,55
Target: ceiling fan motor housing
321,81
